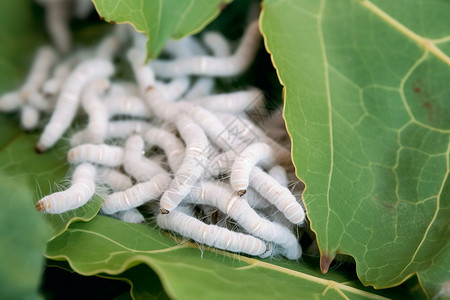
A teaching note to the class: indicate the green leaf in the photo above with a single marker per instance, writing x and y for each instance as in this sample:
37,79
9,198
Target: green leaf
366,88
161,20
106,245
23,236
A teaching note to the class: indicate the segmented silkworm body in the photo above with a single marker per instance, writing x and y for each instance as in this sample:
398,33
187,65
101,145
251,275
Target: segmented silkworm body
96,110
136,195
81,190
238,209
243,165
127,105
43,62
68,101
29,117
113,178
212,235
192,167
217,43
131,215
214,66
139,167
277,194
174,89
144,74
53,85
167,141
110,44
106,155
234,103
11,101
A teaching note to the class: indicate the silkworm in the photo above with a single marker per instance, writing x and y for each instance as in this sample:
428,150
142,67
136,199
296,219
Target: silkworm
29,117
131,215
220,196
111,44
233,103
56,16
52,85
212,235
116,129
38,101
139,167
174,89
128,105
143,73
185,47
106,155
202,87
167,141
113,178
222,163
214,66
167,111
136,195
217,43
83,8
81,190
191,168
68,101
11,101
94,106
244,163
243,125
277,194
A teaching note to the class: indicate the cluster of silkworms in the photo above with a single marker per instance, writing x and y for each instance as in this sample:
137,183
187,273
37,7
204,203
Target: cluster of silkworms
168,138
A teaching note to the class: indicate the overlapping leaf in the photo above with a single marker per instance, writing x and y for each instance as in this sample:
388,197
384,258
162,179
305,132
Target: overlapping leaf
161,20
366,86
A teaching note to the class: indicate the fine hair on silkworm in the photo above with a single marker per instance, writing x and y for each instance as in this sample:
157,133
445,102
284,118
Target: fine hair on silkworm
68,101
214,66
237,208
95,107
135,164
131,215
277,194
212,235
234,103
105,155
81,190
169,143
192,167
136,195
114,179
244,163
115,129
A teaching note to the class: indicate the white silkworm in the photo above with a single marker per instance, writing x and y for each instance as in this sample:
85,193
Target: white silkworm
136,195
106,155
217,43
214,66
113,178
53,85
56,16
143,73
11,101
68,101
139,167
192,167
186,47
174,89
81,190
243,125
29,117
279,174
167,141
212,235
128,105
110,44
202,87
237,208
277,194
95,107
244,163
222,163
83,8
116,129
233,103
131,215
